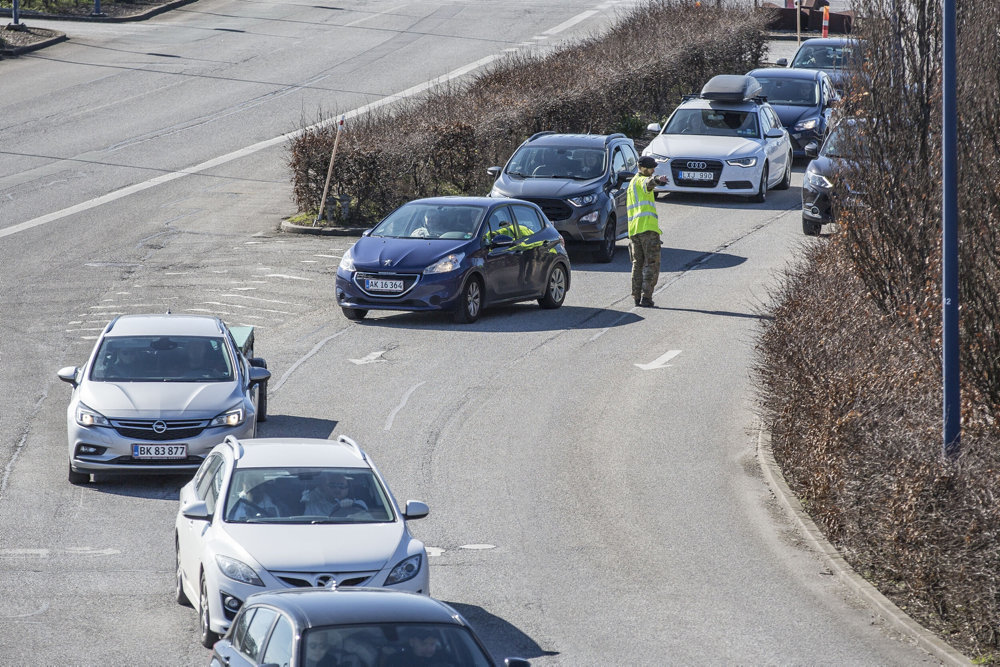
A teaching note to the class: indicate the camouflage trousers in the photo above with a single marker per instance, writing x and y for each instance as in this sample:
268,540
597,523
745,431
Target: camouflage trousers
645,248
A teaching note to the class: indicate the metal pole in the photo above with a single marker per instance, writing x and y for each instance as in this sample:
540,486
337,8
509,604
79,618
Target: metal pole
952,423
329,171
16,13
97,9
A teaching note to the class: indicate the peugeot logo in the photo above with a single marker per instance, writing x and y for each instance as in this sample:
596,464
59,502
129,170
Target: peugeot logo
693,164
387,262
326,581
159,427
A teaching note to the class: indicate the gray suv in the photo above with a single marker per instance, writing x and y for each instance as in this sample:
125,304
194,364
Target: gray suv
578,180
158,393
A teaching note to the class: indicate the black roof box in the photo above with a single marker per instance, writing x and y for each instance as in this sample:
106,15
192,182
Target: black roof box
731,88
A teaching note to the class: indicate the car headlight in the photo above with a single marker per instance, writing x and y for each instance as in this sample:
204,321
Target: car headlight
742,162
446,264
657,156
817,180
347,261
404,570
232,417
238,571
87,417
583,200
806,125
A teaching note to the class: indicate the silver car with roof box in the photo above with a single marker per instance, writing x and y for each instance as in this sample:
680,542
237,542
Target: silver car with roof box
158,392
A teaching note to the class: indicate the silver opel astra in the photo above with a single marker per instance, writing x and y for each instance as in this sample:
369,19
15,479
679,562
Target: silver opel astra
158,392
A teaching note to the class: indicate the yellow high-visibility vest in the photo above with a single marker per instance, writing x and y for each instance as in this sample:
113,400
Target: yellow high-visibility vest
640,204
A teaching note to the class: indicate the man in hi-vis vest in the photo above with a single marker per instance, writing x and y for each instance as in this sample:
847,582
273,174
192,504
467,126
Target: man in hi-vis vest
644,231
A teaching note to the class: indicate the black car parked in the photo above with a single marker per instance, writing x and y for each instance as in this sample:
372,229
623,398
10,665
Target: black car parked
824,187
578,180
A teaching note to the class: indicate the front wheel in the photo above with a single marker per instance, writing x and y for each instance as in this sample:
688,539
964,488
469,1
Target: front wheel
77,478
761,195
606,247
354,314
786,180
208,638
555,289
470,303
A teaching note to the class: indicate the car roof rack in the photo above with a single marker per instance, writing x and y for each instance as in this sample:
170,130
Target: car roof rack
343,439
731,88
235,445
540,134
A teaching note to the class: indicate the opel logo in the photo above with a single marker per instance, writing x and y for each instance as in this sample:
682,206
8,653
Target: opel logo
325,581
159,427
693,164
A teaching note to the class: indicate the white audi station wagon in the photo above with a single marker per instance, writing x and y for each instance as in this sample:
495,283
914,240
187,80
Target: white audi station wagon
726,140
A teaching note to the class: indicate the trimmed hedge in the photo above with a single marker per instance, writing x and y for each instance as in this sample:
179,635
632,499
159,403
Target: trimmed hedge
443,144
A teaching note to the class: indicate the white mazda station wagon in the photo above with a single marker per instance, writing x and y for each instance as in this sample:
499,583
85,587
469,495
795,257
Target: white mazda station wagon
727,140
276,513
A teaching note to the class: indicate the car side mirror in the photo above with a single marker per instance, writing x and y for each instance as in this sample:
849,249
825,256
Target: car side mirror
653,127
782,62
623,177
196,510
502,241
494,171
415,510
68,374
516,662
259,375
812,149
367,232
775,133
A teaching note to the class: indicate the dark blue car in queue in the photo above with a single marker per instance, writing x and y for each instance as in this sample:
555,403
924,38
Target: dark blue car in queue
804,100
457,254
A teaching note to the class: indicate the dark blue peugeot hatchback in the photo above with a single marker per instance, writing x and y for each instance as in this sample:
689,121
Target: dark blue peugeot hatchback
455,254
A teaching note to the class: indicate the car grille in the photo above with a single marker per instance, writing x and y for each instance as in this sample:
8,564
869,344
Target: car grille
409,281
323,579
147,429
554,209
191,461
677,165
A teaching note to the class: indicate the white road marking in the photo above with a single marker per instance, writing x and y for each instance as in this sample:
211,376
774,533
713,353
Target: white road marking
369,358
566,25
316,348
433,552
406,397
282,275
478,546
660,361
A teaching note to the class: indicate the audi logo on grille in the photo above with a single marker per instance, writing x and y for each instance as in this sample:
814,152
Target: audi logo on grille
159,427
694,164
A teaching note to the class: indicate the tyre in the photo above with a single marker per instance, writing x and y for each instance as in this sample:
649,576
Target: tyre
470,303
786,181
207,638
179,594
811,228
355,314
77,478
605,252
761,195
262,402
555,288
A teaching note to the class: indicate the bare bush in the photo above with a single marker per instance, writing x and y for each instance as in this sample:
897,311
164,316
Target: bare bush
443,144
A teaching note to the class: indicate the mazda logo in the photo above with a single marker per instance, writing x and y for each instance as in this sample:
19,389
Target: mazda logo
325,581
159,427
694,164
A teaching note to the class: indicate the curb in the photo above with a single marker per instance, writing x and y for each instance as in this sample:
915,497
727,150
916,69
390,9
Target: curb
159,9
321,231
18,50
885,608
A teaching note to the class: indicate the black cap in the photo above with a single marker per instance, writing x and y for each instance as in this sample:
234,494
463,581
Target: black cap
647,161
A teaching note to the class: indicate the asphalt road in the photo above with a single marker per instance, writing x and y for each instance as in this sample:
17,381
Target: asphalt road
585,510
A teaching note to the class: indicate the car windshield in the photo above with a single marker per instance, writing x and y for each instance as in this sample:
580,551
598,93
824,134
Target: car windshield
713,122
794,92
827,56
162,359
431,221
306,495
843,140
392,644
557,162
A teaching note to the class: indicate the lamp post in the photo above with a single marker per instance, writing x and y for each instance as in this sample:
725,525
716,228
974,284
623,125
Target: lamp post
952,422
97,9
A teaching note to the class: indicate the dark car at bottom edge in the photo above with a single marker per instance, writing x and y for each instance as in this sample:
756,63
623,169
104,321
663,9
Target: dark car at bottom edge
350,627
457,254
